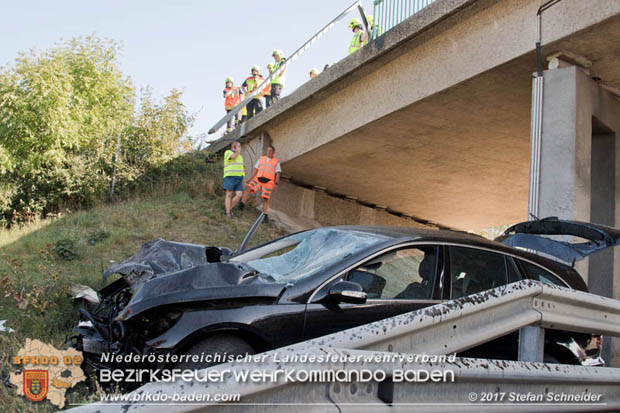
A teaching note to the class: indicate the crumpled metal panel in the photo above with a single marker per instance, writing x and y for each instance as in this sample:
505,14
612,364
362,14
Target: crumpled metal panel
202,283
158,257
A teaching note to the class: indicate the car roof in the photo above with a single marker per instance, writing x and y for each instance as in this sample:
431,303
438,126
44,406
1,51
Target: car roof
404,234
400,234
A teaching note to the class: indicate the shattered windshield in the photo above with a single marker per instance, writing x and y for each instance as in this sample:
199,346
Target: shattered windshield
301,255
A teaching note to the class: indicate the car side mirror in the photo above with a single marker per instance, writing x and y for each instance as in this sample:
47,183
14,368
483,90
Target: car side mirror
347,292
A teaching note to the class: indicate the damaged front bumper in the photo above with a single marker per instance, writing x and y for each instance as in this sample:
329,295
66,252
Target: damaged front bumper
157,284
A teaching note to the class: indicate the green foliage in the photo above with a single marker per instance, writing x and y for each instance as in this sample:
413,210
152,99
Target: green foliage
98,236
65,249
36,284
61,112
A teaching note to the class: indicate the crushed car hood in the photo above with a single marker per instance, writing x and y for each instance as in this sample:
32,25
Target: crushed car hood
532,235
166,272
213,281
155,258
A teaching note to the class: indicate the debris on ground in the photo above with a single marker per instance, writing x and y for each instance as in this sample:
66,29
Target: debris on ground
4,329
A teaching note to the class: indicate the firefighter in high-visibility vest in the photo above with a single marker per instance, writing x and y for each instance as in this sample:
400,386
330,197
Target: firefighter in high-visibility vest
232,97
267,89
249,85
277,83
360,37
234,172
266,177
374,30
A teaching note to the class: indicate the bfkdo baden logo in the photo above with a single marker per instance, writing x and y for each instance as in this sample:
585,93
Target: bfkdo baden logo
46,372
36,384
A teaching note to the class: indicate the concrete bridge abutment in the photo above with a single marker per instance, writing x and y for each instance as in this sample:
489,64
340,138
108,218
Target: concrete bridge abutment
580,163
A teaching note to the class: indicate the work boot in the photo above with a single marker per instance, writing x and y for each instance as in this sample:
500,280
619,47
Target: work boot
229,215
241,205
265,220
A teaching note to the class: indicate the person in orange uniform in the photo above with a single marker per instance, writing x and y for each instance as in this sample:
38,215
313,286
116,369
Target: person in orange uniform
266,177
232,97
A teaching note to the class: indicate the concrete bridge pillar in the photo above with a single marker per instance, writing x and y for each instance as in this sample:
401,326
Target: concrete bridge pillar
580,166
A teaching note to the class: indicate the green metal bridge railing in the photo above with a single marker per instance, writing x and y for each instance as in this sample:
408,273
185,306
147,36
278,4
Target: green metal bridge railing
389,13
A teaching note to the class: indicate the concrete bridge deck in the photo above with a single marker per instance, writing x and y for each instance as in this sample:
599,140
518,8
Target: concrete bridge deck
432,119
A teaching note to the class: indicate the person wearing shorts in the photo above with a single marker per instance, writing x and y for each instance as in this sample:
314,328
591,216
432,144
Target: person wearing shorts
233,177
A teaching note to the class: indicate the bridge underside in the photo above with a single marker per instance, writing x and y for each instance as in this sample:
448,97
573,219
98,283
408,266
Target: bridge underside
432,119
459,158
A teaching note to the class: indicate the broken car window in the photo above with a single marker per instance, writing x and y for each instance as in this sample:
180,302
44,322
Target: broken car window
313,251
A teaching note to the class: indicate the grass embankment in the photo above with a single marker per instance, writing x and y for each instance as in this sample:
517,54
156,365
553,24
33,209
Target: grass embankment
39,262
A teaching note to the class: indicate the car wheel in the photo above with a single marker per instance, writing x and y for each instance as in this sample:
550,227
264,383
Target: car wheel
221,345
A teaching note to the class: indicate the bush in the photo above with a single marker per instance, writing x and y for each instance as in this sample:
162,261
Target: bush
61,113
65,249
98,236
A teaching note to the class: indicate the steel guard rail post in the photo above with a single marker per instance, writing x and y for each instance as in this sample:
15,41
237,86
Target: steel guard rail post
442,329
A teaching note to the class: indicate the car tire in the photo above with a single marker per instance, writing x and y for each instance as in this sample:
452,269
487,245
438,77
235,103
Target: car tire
221,344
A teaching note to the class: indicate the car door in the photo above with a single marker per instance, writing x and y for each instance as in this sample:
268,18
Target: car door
471,270
396,281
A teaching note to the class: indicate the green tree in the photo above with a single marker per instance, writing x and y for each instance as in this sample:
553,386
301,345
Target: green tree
60,114
156,134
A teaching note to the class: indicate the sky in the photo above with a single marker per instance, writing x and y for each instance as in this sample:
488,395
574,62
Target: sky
188,45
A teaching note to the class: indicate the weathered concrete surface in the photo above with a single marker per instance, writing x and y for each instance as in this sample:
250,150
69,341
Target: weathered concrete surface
432,119
295,208
580,163
312,207
340,75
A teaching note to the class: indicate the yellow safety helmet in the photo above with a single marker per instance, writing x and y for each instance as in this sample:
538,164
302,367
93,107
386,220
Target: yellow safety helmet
314,71
229,79
278,53
354,23
255,67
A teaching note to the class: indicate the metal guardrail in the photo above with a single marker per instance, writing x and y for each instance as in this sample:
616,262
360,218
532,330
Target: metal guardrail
442,329
389,13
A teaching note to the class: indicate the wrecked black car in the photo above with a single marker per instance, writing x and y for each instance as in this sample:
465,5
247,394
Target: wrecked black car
176,298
